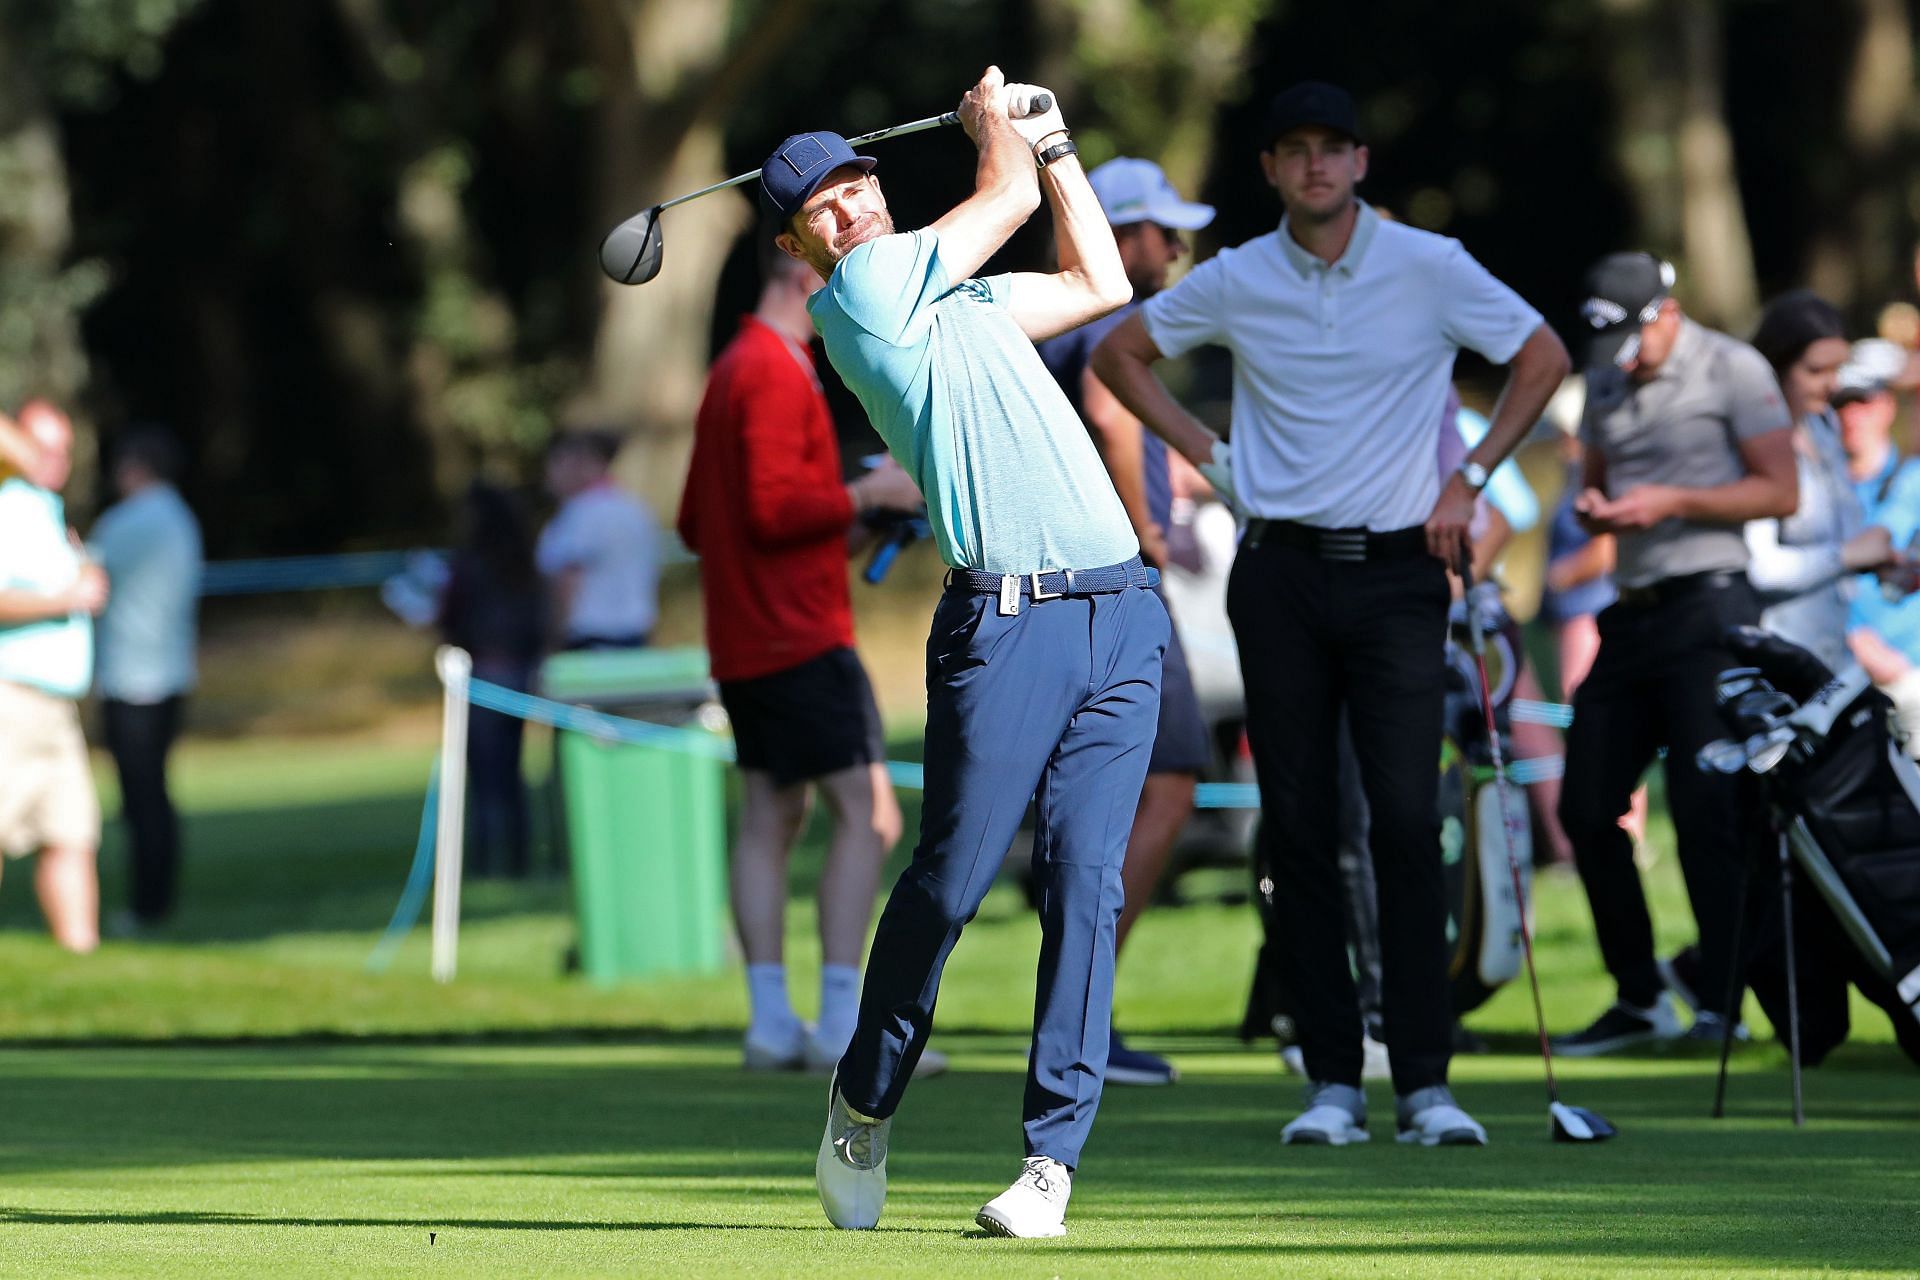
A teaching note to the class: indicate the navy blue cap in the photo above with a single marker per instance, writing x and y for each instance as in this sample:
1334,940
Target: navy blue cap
1312,102
799,165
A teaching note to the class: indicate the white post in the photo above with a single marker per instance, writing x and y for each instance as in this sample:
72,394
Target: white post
455,667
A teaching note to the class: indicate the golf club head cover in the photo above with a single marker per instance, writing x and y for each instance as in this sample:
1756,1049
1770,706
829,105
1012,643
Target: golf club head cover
1787,667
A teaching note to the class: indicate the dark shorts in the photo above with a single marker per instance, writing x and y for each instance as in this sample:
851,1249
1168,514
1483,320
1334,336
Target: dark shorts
807,721
1181,744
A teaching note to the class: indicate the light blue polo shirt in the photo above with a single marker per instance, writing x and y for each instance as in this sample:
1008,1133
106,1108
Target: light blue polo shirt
149,545
1338,367
55,655
1012,479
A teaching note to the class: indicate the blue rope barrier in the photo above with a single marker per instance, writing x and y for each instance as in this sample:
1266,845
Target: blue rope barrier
905,773
1527,711
406,912
339,572
597,724
301,573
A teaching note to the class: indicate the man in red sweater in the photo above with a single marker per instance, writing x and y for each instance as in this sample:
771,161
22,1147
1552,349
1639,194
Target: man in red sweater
766,511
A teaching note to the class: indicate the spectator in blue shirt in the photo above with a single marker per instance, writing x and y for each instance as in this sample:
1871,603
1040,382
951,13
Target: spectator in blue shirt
149,545
1884,633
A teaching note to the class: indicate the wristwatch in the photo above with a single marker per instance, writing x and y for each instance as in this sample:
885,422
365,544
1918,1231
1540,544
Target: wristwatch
1474,474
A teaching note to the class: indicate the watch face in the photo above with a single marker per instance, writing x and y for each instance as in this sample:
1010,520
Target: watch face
1474,474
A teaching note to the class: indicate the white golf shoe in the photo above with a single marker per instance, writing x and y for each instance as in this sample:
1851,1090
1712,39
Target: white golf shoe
851,1169
1336,1115
1035,1206
1432,1118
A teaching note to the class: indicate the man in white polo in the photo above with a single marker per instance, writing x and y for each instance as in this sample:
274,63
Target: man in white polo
1344,328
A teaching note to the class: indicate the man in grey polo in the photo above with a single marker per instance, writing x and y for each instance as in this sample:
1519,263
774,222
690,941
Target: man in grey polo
1688,438
1344,328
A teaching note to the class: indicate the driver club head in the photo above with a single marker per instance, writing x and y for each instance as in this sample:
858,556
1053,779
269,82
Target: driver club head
1577,1124
631,252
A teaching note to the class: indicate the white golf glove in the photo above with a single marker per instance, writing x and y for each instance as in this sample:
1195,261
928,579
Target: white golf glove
1034,127
1218,472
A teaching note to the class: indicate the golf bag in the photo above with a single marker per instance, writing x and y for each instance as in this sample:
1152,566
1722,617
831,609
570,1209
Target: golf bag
1483,918
1848,799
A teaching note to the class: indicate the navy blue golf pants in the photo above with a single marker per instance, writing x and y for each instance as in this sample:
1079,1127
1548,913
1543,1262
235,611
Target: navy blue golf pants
1057,705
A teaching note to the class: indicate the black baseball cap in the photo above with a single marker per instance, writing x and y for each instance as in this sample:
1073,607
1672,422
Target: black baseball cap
1312,102
1624,292
799,165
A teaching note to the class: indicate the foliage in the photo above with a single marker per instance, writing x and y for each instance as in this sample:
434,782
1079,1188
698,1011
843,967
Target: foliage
80,45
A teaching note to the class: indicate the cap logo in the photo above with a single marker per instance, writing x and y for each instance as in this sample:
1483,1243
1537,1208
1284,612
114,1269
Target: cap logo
1601,312
805,155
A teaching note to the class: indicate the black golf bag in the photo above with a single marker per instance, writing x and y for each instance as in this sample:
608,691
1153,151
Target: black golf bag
1483,917
1848,799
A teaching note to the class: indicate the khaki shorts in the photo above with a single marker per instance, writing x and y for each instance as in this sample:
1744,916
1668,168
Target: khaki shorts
46,785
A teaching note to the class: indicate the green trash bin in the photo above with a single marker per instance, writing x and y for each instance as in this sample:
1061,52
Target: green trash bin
646,825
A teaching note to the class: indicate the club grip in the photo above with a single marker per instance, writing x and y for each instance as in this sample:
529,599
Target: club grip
1038,105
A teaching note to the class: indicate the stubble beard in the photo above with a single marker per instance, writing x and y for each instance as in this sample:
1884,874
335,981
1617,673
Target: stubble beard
869,227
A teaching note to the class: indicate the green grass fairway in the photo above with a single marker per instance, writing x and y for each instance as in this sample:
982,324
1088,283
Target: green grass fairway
659,1157
239,1096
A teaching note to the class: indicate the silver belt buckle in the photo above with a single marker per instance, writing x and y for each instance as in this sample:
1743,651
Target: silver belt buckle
1348,545
1038,594
1009,596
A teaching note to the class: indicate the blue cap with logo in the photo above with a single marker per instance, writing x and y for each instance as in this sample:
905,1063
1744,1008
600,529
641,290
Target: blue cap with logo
799,165
1133,190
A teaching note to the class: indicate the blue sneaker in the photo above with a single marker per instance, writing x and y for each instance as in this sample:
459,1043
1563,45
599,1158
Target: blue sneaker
1135,1066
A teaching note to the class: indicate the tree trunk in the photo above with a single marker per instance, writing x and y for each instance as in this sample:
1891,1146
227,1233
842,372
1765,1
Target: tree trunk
1858,249
1675,152
669,71
1719,255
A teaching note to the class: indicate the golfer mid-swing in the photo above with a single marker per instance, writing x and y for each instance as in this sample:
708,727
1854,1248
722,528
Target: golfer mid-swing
1043,665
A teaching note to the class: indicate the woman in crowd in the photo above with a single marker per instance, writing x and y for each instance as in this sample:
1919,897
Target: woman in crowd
1803,564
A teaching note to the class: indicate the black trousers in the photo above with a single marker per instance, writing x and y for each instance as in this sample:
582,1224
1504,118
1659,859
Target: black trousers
140,735
1318,637
1652,686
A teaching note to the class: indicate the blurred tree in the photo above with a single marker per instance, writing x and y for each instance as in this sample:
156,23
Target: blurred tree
667,75
470,388
1674,148
1148,77
1864,217
56,53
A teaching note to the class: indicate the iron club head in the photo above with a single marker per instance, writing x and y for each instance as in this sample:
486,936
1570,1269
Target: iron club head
631,252
1577,1124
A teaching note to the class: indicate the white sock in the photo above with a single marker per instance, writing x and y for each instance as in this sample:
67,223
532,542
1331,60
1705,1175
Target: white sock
772,1016
839,1003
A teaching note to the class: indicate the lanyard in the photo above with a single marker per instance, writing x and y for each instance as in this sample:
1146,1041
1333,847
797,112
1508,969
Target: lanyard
802,359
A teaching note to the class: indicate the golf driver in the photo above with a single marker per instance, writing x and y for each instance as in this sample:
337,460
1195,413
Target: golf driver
1570,1123
631,252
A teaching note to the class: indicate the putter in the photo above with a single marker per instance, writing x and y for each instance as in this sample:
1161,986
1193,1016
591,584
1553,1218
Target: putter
1568,1123
631,252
